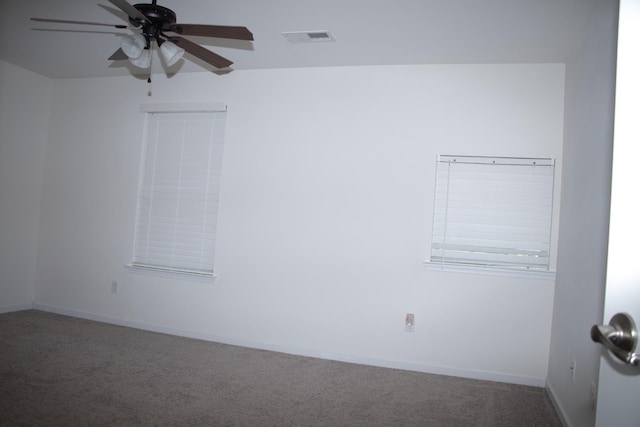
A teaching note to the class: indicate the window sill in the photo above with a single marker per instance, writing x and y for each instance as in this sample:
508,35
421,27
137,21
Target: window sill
176,274
490,271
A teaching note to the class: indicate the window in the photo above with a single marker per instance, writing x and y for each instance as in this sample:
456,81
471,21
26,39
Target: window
178,195
493,212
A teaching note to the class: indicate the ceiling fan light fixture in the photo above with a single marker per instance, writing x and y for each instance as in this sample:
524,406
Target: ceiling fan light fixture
143,61
171,52
133,46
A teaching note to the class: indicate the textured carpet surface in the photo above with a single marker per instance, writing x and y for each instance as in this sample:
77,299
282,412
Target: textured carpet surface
63,371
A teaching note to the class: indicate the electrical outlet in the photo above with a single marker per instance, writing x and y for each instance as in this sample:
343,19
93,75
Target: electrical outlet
115,286
409,323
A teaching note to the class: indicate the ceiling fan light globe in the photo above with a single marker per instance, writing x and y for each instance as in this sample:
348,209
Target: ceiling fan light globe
133,46
171,52
143,61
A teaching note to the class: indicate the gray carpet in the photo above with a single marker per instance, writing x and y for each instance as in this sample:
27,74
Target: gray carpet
62,371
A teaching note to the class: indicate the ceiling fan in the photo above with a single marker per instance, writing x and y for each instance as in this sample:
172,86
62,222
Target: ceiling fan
158,24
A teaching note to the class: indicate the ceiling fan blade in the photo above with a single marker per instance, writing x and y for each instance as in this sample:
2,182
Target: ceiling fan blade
131,11
118,55
64,21
202,53
220,31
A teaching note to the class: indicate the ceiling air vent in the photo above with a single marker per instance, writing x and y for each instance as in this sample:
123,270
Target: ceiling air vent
308,36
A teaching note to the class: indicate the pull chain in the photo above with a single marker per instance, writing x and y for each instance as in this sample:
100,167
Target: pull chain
150,92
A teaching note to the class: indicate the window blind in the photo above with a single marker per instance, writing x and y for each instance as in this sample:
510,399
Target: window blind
492,211
178,196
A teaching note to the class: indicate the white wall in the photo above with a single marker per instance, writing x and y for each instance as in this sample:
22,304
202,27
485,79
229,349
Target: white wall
580,283
24,108
325,212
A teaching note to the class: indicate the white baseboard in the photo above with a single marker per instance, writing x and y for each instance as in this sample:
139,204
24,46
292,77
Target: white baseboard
81,315
562,414
393,364
17,307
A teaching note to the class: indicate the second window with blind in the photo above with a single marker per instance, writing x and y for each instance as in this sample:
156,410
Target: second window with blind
493,212
178,195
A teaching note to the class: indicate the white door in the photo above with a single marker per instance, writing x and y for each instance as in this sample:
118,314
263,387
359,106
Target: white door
619,384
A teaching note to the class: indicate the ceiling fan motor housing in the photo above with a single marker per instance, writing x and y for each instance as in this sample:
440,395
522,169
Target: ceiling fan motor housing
159,17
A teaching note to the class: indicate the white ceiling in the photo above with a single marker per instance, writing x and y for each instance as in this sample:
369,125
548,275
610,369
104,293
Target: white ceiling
367,32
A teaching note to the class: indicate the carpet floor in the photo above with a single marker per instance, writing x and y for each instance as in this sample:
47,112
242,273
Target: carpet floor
64,371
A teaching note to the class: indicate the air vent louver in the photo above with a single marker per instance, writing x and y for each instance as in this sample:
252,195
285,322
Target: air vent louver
308,36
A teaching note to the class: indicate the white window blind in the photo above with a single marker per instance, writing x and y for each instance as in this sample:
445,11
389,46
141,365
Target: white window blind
493,212
178,196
